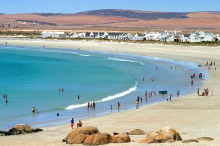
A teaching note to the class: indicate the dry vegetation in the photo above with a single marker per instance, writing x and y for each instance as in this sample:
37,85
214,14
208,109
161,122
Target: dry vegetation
206,21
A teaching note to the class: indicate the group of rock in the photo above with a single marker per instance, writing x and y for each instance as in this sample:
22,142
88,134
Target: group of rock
91,136
19,129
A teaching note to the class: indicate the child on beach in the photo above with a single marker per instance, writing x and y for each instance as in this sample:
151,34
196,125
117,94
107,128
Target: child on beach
72,123
79,124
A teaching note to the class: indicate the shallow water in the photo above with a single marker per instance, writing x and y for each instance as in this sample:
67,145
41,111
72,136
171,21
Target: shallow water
32,76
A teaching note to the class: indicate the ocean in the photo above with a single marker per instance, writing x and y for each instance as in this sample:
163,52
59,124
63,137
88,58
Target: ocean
32,77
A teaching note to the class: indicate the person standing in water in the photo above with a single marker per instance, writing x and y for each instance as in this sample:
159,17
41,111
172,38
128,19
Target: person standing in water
93,105
72,123
119,105
88,105
6,101
170,97
78,97
152,78
192,82
178,93
198,91
111,107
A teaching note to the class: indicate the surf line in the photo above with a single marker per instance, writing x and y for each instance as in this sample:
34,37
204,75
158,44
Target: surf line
125,60
111,97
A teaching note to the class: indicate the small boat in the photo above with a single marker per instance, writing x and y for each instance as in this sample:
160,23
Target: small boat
162,92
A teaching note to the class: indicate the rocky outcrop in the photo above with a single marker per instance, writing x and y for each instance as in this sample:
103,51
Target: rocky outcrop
165,135
79,135
121,138
91,136
20,129
98,139
205,139
137,132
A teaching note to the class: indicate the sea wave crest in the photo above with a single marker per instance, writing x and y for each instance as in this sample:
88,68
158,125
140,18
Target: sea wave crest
111,97
125,60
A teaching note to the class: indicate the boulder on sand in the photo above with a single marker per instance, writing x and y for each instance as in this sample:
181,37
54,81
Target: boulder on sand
79,135
137,132
91,136
165,135
20,129
121,138
100,139
97,139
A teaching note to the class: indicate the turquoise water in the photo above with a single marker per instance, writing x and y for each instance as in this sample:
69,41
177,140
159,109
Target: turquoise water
32,76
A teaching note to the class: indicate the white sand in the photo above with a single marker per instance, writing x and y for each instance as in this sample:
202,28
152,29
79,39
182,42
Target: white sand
191,115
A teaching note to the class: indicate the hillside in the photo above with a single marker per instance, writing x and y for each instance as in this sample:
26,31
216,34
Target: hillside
143,15
117,20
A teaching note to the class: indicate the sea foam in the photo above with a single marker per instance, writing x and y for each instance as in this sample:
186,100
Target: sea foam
125,60
111,97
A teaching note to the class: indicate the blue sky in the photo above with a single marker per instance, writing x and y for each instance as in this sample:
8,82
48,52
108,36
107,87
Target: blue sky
73,6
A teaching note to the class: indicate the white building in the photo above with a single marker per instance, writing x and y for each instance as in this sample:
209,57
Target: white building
152,36
185,38
200,36
46,34
157,36
74,35
98,35
119,36
217,38
138,36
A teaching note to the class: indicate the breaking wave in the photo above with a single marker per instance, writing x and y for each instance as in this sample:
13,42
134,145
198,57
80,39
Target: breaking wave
124,60
111,97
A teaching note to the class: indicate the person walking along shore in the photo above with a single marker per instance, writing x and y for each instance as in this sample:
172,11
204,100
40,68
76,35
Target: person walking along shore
72,123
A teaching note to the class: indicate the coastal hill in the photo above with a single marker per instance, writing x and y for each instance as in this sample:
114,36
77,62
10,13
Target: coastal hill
112,19
143,15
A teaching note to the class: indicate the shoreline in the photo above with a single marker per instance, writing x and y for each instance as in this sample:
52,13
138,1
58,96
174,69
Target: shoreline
140,59
194,114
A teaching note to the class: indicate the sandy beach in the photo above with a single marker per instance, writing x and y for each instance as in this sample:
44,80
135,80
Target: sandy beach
191,115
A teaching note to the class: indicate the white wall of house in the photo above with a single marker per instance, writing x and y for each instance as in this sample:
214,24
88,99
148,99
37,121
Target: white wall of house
137,37
198,36
74,35
46,34
208,37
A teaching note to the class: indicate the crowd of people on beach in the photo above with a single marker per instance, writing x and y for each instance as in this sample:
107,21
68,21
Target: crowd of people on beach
92,104
210,65
139,99
205,92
